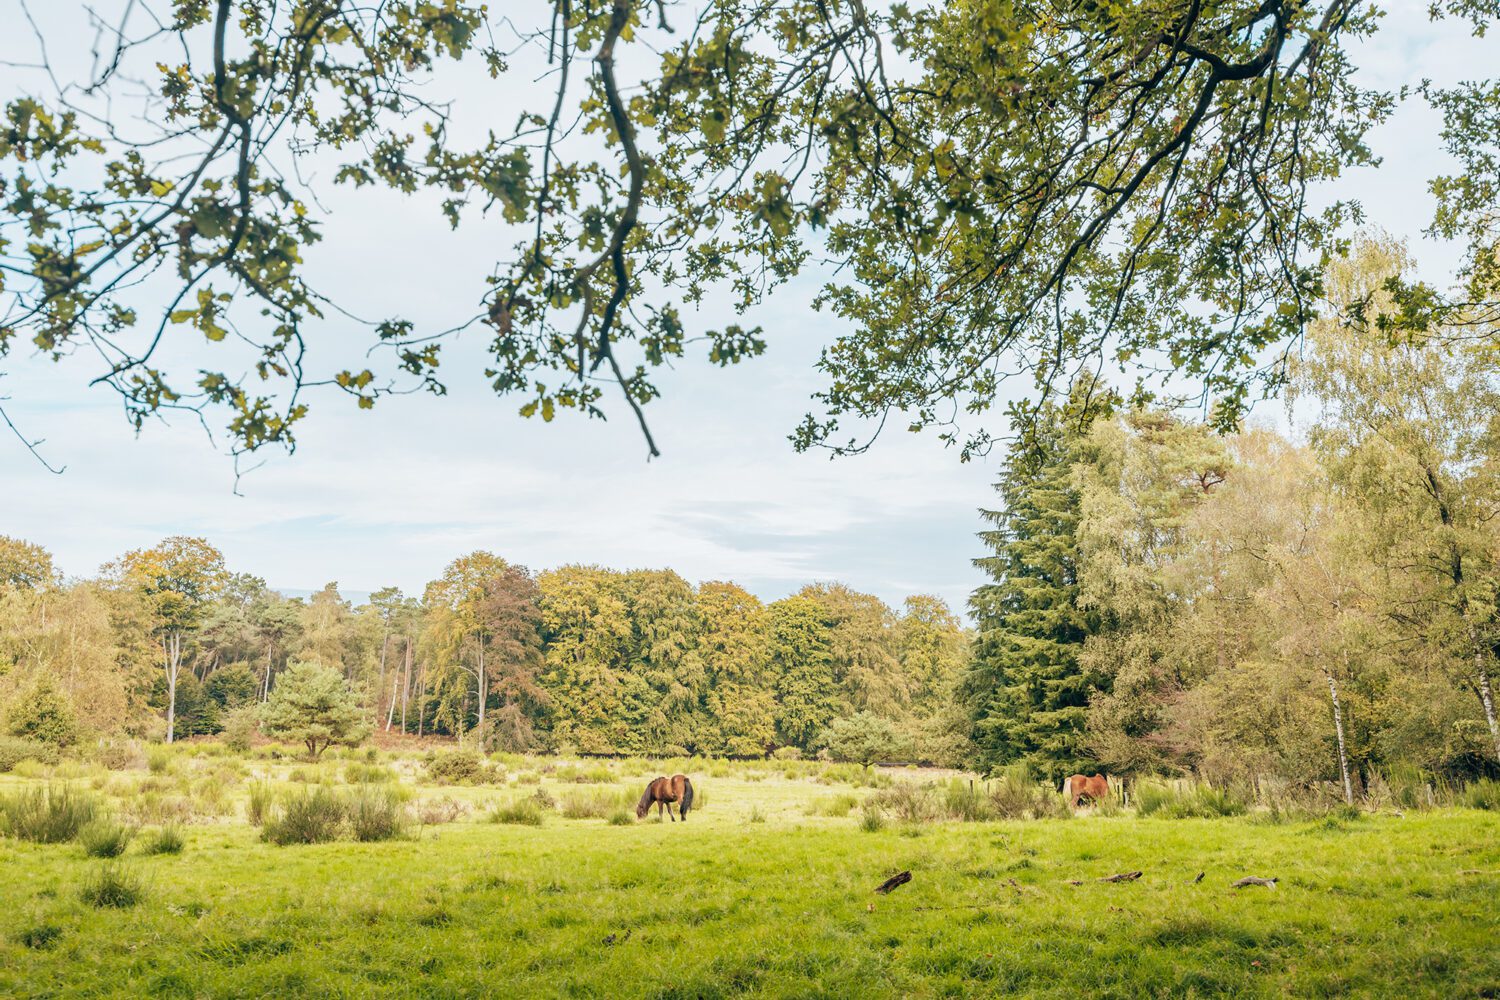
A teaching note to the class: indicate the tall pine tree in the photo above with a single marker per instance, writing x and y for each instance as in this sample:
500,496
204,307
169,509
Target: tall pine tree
1027,693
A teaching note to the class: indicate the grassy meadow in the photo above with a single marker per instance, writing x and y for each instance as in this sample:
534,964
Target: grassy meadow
533,878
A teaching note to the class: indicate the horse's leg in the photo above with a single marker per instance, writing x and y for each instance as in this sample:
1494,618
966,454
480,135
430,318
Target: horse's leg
669,812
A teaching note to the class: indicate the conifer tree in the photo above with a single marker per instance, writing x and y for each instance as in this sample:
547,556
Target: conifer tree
1026,691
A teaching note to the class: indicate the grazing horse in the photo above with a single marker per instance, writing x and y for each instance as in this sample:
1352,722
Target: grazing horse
663,792
1077,788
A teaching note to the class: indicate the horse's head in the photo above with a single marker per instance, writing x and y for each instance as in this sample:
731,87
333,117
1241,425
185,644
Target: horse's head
644,806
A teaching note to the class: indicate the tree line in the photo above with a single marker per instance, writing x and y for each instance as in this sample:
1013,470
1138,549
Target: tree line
167,642
1167,598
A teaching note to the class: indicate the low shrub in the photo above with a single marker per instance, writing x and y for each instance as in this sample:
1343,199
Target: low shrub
756,816
871,819
459,767
112,885
121,755
377,813
528,778
908,802
598,774
104,838
240,728
160,758
47,815
312,816
522,812
1186,801
594,803
621,817
434,812
166,839
1483,795
14,749
835,806
787,753
962,800
258,806
367,774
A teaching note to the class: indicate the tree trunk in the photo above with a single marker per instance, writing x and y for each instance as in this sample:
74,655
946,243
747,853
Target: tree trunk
1485,691
1487,696
172,648
1338,727
385,641
390,715
483,693
406,687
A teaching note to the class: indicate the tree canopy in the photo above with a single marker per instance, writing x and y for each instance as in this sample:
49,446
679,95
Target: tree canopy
1007,187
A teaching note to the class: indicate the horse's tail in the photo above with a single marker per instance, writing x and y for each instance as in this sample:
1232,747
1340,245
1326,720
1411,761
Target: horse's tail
687,797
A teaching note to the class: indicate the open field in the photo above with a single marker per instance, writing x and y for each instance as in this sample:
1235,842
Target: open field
767,891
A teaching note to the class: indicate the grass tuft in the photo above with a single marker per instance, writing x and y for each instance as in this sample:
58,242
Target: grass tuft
105,838
112,886
53,814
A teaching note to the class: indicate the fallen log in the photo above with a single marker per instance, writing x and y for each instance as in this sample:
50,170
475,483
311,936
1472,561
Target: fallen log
1248,880
1196,879
894,882
1122,877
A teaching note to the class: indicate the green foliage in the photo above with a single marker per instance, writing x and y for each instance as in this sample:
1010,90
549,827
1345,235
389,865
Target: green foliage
259,802
521,812
105,838
460,767
1190,800
51,814
313,705
44,716
368,774
14,749
377,813
1027,692
165,839
863,738
112,886
1483,795
240,727
310,816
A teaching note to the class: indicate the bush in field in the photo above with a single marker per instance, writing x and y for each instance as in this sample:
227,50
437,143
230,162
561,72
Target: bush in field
621,817
312,705
1483,795
121,755
1193,802
258,806
908,802
314,816
594,803
44,715
871,819
787,753
459,767
160,758
240,726
166,839
835,806
367,774
599,774
50,815
377,813
14,749
864,739
434,812
112,885
522,812
104,838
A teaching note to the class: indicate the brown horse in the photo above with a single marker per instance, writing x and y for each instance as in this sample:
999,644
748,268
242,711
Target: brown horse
1077,788
663,792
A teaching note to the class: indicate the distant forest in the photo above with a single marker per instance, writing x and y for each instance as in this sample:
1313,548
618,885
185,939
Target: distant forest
1164,597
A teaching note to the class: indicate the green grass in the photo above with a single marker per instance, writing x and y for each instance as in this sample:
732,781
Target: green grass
778,907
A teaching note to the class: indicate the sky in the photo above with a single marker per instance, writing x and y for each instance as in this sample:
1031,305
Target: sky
389,496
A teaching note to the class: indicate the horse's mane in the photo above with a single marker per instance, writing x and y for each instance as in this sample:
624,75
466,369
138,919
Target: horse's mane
645,803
